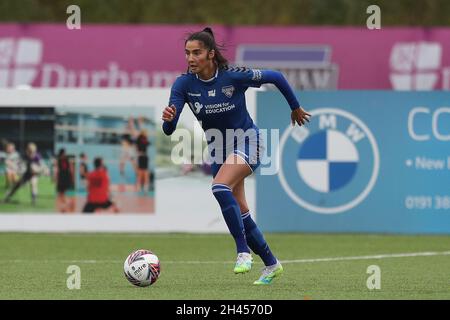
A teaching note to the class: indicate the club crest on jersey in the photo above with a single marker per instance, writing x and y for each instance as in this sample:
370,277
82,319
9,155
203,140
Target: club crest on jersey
228,91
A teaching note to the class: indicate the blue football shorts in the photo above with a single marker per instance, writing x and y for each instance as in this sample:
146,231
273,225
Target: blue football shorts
250,149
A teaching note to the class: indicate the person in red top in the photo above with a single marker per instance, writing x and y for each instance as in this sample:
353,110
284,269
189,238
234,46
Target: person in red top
98,189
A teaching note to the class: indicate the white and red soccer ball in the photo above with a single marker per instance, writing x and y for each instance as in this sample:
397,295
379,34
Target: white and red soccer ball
142,268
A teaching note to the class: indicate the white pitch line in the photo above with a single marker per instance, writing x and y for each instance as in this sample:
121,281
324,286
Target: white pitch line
379,256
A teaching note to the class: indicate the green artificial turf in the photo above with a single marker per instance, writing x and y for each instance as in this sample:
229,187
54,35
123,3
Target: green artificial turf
33,266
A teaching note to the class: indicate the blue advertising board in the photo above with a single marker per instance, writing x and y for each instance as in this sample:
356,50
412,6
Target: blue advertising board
369,161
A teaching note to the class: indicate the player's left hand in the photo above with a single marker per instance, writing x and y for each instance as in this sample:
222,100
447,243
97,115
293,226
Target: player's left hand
300,116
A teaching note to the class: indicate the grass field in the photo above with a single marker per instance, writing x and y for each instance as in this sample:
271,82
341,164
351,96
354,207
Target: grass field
21,201
33,266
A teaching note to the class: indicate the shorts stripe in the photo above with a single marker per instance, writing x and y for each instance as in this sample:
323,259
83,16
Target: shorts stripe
245,160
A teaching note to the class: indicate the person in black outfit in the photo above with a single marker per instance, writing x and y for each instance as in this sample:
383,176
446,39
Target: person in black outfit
143,176
142,143
64,182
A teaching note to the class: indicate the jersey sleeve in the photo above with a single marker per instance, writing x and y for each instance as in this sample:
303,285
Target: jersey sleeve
255,78
247,77
177,99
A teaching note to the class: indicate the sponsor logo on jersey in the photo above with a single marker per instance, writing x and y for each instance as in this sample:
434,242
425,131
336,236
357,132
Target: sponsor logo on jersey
196,107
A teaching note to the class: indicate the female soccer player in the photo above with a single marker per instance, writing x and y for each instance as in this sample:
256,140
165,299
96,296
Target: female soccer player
12,162
34,166
216,95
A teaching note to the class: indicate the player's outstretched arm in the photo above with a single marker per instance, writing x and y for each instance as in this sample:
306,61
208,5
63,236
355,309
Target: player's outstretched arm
298,114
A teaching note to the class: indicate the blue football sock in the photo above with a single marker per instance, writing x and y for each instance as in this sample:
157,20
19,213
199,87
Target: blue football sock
256,241
232,215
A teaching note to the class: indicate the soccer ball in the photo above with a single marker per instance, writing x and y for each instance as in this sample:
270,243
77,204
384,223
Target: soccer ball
142,268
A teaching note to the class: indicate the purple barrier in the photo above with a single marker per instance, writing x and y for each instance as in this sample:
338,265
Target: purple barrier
44,55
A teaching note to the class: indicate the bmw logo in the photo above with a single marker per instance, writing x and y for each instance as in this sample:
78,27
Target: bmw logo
332,164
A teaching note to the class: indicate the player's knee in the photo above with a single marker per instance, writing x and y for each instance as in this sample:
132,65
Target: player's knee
224,181
219,188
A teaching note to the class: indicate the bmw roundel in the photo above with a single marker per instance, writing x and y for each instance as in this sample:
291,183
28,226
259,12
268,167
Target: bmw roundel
330,165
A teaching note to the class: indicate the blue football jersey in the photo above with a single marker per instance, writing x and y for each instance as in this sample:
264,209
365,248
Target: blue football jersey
219,103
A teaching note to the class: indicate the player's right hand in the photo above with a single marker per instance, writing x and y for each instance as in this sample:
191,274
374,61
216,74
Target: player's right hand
299,116
169,113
